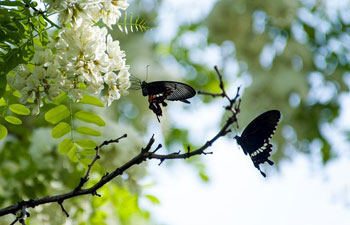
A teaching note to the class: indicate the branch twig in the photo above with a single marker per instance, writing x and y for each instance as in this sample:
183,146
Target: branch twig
232,107
84,179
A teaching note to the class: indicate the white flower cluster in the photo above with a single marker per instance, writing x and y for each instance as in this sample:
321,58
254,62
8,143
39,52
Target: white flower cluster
83,57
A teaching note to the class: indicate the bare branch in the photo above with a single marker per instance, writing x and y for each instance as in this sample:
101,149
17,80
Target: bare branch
232,107
84,179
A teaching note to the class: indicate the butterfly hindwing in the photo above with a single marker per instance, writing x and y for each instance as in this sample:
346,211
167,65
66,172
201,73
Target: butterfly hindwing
255,139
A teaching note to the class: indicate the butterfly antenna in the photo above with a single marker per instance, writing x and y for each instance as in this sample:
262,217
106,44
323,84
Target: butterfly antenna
147,71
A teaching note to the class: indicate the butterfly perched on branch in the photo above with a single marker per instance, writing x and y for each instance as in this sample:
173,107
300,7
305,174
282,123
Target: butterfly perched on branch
159,91
255,139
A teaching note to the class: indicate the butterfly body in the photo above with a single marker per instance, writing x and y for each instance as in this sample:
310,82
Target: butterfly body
159,91
255,139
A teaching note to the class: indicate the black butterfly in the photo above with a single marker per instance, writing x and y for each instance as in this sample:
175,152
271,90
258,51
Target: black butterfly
255,139
159,91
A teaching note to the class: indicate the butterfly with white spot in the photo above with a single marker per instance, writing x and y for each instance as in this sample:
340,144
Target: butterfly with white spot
255,139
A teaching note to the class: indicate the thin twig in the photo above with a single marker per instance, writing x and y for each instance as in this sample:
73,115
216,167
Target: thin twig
63,209
84,179
232,107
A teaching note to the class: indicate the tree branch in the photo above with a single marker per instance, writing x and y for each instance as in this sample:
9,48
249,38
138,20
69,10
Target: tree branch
145,154
232,107
84,179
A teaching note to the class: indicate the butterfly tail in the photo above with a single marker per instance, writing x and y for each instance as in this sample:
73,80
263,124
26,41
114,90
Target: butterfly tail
258,167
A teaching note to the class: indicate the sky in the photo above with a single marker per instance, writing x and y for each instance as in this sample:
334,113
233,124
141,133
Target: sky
301,191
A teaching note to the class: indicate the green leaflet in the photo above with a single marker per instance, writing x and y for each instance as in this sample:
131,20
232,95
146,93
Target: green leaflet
203,176
72,154
3,131
86,162
11,3
87,99
90,117
14,120
16,94
65,146
87,152
56,114
88,131
19,109
2,102
60,98
86,143
60,130
153,199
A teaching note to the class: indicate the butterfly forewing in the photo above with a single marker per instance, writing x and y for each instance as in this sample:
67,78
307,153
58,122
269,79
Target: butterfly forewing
262,127
174,91
255,139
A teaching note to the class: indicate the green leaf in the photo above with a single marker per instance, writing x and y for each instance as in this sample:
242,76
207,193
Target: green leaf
65,146
87,152
86,162
13,120
11,3
87,99
60,130
60,98
19,109
2,102
88,131
3,131
153,199
56,114
72,154
204,177
17,94
90,117
86,143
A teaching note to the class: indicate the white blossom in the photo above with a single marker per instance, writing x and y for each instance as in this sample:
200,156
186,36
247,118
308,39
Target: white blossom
81,53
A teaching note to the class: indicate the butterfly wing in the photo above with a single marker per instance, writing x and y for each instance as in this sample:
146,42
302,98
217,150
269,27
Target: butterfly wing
255,139
262,127
159,91
174,91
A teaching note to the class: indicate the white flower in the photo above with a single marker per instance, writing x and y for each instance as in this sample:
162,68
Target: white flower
124,82
32,83
19,83
53,92
66,15
53,72
110,78
122,4
75,94
39,72
103,63
95,12
115,54
22,71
